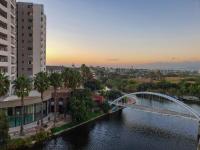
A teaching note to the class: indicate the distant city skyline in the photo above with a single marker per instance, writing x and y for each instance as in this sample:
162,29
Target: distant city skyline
123,32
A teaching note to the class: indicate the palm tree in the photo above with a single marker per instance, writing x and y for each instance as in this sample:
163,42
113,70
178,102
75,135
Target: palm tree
74,79
41,84
22,86
56,82
66,76
85,73
4,84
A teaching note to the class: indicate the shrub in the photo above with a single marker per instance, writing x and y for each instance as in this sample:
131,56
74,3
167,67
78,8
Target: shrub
105,107
41,136
19,143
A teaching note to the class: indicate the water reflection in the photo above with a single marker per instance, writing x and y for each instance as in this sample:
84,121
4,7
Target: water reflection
129,130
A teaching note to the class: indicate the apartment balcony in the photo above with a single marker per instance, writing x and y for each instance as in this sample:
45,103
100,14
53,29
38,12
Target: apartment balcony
3,48
3,41
3,8
4,64
4,31
4,3
4,53
4,70
3,19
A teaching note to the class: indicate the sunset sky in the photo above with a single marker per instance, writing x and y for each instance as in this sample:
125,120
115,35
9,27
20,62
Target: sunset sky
122,32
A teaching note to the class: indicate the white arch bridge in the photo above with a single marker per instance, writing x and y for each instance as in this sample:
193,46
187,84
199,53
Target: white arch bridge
129,100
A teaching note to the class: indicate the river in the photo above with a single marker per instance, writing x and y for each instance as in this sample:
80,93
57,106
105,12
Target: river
131,130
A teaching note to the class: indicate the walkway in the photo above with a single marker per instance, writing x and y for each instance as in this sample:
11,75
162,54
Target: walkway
161,111
33,128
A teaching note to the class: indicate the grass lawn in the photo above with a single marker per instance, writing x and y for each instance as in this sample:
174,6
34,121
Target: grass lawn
71,124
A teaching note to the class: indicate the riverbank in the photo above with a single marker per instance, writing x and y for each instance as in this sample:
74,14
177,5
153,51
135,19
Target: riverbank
70,126
23,143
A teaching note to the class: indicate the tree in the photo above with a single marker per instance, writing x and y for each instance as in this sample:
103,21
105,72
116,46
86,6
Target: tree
105,107
74,79
4,127
4,84
41,84
80,104
56,82
66,74
183,88
85,73
78,109
113,94
93,85
22,86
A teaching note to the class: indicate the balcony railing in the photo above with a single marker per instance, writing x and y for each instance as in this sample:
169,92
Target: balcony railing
3,49
3,3
3,36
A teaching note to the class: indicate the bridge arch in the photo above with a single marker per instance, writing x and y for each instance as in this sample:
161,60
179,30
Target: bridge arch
167,97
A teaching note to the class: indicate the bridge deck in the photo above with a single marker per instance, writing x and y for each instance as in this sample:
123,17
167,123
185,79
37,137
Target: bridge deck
161,111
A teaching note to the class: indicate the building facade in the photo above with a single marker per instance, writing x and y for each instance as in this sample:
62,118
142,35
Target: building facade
33,106
8,38
31,39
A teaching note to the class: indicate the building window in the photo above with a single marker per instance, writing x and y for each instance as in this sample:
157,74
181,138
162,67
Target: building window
3,58
30,20
30,13
3,25
30,6
3,47
30,62
30,55
3,36
3,69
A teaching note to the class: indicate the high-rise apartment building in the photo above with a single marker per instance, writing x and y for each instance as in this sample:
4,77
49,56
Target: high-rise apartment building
8,38
31,39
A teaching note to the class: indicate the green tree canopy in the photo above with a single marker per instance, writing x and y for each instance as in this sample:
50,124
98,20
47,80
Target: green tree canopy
113,94
55,80
93,85
22,86
80,104
4,84
41,84
85,73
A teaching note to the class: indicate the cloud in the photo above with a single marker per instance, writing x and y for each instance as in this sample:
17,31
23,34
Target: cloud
113,59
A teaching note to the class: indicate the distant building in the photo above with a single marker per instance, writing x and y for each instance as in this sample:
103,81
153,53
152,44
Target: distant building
52,69
8,38
98,99
31,34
